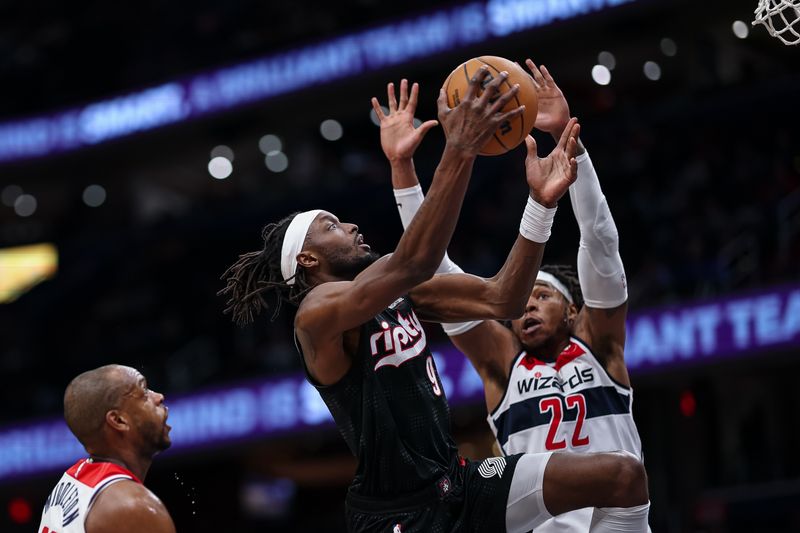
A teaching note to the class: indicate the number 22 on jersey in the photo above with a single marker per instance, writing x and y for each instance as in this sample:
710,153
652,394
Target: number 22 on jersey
553,404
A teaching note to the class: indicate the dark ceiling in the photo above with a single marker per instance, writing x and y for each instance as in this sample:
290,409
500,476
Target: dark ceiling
60,53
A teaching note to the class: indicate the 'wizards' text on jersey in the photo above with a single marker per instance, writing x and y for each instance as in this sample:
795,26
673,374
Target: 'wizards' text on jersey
570,404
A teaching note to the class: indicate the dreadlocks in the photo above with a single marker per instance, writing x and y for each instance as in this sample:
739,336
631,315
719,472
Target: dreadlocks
567,275
258,273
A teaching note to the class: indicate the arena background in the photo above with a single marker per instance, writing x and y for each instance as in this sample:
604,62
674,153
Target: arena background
697,152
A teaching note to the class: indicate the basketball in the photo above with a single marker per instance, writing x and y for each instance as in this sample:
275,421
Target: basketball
511,132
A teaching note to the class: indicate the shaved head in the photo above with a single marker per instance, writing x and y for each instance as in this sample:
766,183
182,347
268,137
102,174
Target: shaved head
91,395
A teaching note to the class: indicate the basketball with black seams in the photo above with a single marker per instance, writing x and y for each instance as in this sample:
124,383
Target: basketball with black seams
513,131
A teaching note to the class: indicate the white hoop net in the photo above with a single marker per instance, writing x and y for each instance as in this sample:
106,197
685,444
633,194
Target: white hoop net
781,18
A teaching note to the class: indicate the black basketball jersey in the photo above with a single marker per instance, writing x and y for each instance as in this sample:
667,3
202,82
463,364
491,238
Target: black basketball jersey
391,409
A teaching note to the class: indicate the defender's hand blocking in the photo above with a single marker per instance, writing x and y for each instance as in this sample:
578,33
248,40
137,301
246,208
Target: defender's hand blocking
470,124
553,107
399,137
550,178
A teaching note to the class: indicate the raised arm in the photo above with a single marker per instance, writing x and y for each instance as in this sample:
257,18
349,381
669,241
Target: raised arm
399,141
601,321
488,345
465,297
333,308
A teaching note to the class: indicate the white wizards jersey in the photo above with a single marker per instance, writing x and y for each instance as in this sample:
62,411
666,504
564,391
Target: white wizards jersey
570,404
70,501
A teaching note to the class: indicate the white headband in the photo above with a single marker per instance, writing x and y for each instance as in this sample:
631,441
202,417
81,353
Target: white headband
293,242
553,282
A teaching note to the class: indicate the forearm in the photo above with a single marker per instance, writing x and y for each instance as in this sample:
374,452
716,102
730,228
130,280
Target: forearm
513,284
424,242
408,201
403,173
600,269
409,197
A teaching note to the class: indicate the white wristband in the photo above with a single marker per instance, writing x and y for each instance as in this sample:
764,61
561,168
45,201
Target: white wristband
536,221
408,202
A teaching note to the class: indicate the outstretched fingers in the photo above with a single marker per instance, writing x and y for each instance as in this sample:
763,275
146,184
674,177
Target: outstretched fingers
391,97
572,143
571,148
499,118
490,91
504,99
547,77
426,126
412,100
476,82
403,94
376,106
572,162
568,132
441,104
538,79
530,144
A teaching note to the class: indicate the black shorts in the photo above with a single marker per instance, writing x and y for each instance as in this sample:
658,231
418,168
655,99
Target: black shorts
471,499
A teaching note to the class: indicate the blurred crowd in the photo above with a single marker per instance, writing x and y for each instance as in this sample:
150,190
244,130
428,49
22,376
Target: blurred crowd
701,211
701,171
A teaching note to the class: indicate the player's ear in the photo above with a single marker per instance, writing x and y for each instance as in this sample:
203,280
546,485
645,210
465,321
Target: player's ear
117,420
307,259
572,313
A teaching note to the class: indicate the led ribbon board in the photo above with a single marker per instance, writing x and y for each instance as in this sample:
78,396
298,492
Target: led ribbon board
742,325
330,60
738,326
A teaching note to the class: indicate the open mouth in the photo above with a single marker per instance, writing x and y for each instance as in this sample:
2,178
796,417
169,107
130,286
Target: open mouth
530,324
360,243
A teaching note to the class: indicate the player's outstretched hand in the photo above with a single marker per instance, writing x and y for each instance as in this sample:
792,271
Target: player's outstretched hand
549,178
399,137
473,121
553,107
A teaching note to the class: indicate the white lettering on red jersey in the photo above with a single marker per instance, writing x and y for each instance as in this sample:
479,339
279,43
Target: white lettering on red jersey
71,500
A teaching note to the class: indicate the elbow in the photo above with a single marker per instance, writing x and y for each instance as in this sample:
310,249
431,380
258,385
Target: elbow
504,303
516,301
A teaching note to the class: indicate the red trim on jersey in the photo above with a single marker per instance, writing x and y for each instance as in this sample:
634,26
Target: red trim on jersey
92,474
569,354
529,361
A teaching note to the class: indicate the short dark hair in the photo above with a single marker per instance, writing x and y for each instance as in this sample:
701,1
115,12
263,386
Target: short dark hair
567,275
257,274
89,397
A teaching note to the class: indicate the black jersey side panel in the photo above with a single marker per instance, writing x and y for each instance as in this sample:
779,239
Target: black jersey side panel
390,407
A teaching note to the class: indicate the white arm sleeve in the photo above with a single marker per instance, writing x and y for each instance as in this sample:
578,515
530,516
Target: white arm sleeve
600,269
408,202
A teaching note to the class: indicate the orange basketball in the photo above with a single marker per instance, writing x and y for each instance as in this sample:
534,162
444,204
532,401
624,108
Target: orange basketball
511,132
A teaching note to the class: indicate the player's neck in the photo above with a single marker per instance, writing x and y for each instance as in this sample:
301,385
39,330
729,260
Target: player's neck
326,277
550,349
129,460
